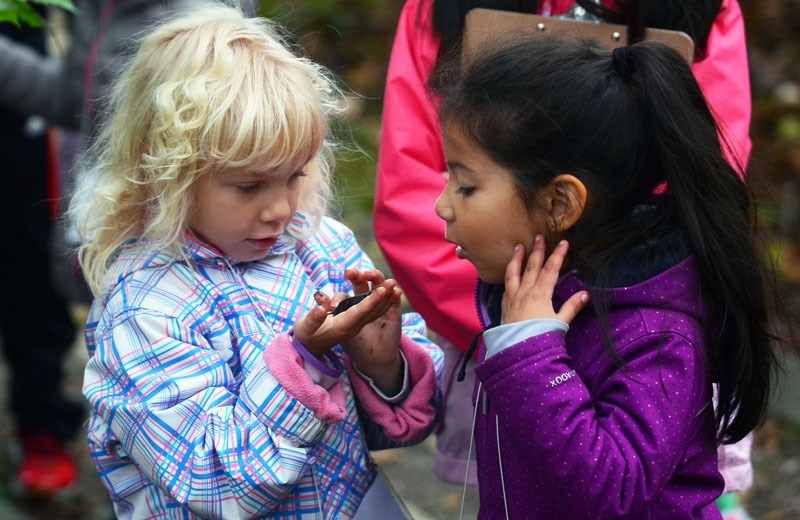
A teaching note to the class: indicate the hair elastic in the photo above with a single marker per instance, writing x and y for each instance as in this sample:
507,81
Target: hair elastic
620,58
335,370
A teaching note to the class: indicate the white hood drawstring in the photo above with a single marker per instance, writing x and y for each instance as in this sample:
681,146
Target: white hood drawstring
482,398
469,456
500,462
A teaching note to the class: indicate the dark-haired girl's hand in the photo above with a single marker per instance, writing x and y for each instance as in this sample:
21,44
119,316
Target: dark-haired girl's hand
375,350
369,331
530,285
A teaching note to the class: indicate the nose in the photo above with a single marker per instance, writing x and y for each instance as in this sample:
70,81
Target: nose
277,208
442,207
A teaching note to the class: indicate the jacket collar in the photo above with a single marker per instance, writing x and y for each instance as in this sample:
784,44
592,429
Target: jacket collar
142,254
659,272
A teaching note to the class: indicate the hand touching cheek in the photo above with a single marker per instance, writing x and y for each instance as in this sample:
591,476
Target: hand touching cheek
529,289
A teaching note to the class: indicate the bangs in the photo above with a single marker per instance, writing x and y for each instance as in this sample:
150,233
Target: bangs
271,118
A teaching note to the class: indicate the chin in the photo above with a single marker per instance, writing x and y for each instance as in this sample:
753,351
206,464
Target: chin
492,278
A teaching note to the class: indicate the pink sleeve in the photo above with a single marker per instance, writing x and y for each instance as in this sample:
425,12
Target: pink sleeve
735,465
413,417
286,366
723,75
411,236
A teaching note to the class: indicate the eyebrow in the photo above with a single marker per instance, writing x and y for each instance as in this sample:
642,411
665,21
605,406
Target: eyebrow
455,165
245,176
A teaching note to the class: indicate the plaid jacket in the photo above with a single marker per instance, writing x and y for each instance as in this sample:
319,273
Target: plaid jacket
194,413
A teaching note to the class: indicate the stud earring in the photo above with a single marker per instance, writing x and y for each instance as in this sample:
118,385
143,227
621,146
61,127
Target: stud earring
553,226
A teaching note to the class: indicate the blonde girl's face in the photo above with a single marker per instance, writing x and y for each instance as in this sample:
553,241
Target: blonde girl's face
484,215
242,213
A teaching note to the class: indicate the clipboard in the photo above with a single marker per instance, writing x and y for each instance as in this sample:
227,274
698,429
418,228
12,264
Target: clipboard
382,501
485,26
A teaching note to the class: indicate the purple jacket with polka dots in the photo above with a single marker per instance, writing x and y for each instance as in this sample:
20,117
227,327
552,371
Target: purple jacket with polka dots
562,431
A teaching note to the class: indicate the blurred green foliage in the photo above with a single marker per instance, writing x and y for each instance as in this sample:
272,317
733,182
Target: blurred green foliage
353,39
21,12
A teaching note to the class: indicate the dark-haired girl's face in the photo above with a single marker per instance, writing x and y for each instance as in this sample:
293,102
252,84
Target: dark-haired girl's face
482,208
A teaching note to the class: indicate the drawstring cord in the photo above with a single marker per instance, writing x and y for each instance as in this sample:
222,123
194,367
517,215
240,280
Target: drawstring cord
500,462
469,457
316,490
469,451
462,372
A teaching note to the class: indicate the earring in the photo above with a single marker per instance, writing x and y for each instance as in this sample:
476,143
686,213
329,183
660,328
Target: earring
553,226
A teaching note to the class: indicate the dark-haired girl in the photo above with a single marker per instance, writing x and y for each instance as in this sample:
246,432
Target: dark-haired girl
555,152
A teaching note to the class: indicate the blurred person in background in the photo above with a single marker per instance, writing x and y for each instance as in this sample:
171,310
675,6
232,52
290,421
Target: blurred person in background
67,91
35,324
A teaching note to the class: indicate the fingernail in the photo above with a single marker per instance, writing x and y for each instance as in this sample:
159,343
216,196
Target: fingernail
537,238
584,297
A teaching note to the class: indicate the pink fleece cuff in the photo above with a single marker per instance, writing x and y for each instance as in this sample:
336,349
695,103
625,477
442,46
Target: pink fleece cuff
286,365
407,420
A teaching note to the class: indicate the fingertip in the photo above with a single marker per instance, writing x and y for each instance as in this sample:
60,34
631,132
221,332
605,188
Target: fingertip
585,298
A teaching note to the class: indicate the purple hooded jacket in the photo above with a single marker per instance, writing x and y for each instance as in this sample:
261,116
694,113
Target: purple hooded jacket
580,437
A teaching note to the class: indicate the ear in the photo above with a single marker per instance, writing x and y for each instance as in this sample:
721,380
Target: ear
568,198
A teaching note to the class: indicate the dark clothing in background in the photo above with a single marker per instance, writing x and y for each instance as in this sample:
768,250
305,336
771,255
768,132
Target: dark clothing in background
36,331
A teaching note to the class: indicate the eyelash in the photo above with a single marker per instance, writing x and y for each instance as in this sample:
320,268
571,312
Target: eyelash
465,191
249,188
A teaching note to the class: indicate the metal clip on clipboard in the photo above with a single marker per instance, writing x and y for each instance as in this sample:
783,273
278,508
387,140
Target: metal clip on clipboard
485,26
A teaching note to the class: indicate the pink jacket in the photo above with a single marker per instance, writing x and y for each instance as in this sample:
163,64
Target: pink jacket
438,285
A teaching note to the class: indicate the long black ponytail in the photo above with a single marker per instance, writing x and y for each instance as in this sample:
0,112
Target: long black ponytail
717,213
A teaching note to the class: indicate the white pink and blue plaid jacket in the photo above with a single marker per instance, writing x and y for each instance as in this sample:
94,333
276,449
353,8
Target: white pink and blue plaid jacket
200,407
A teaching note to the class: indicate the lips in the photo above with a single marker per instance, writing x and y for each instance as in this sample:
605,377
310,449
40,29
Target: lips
263,243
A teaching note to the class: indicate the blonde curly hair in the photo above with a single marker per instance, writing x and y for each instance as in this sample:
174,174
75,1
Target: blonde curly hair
210,89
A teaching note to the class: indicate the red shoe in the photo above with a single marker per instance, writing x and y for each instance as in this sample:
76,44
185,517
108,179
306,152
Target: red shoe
46,469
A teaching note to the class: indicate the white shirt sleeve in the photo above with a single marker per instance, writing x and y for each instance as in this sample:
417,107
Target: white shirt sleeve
503,336
402,394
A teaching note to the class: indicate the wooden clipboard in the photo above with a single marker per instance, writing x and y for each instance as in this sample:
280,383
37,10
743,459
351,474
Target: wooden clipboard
485,26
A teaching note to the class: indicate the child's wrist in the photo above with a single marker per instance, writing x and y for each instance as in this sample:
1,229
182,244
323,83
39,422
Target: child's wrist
332,368
388,376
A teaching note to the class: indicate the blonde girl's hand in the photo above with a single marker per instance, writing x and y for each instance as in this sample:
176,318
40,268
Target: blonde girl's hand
529,289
